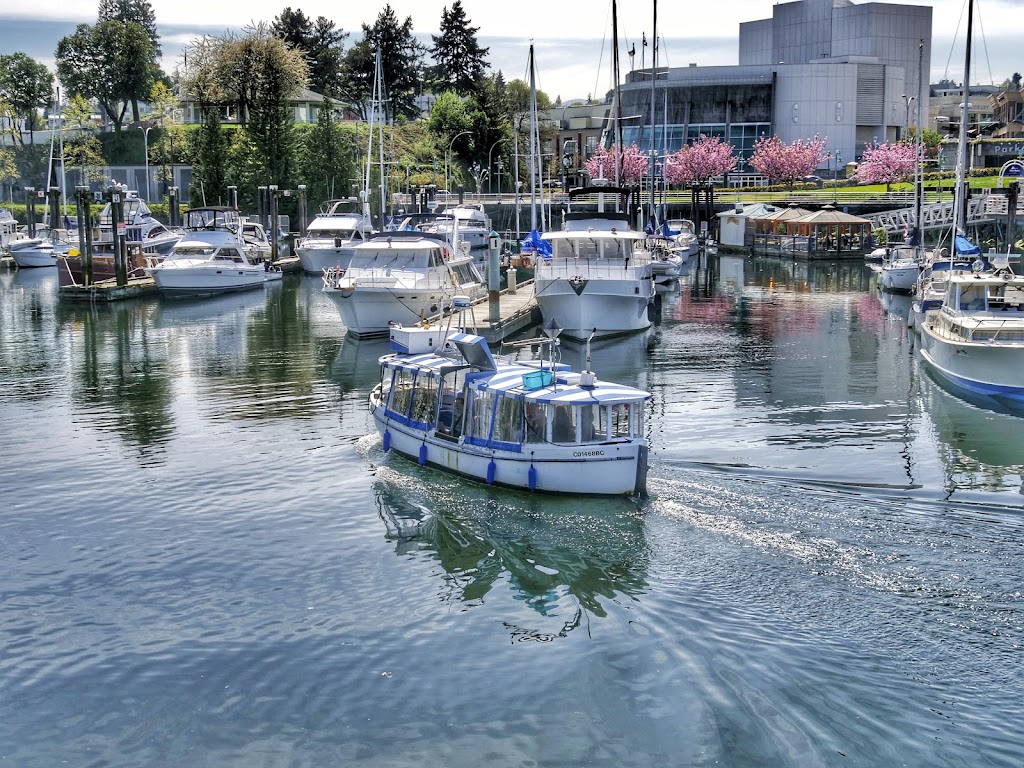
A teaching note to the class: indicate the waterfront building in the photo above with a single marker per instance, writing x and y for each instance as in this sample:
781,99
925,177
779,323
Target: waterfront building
846,72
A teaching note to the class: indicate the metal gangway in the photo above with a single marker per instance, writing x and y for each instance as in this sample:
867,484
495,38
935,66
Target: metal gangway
981,209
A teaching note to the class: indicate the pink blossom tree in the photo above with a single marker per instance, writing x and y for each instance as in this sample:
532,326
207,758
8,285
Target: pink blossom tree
698,162
886,164
633,164
785,163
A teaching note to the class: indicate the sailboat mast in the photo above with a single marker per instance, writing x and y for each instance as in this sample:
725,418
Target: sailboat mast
961,147
533,144
617,116
654,80
918,145
369,148
379,75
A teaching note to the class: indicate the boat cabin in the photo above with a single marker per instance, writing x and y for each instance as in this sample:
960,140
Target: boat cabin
471,399
212,218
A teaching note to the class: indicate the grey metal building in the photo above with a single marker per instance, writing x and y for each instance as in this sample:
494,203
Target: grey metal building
848,73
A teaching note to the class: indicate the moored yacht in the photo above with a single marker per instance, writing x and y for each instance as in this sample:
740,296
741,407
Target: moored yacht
331,236
213,256
899,270
976,340
401,277
42,250
597,280
445,401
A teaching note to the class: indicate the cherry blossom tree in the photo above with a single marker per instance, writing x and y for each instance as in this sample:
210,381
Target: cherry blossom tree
633,164
698,162
786,163
886,164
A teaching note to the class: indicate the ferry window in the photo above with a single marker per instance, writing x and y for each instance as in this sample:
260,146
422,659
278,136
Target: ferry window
638,421
563,426
424,400
620,420
508,422
385,384
591,428
481,408
536,423
401,393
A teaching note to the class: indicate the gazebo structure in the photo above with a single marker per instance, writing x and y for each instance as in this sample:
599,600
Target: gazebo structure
770,235
830,233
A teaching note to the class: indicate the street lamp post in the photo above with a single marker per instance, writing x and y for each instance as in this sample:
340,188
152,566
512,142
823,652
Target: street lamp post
500,165
448,161
835,178
489,151
906,119
145,148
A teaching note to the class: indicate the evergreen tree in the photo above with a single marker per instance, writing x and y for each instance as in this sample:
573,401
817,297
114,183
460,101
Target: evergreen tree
319,40
210,160
326,164
402,61
460,61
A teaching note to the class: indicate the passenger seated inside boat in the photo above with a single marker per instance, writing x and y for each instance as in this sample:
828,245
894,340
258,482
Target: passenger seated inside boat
563,429
460,407
535,423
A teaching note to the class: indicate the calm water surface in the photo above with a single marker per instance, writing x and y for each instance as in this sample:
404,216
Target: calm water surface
209,561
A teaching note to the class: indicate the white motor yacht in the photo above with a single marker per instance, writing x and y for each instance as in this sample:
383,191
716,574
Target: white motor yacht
976,340
401,277
598,278
899,270
214,256
332,235
42,250
473,224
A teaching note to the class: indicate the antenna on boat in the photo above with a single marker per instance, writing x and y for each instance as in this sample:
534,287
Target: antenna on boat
587,377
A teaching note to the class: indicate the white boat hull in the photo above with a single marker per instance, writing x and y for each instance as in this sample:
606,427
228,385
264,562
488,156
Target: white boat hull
315,259
983,367
899,279
28,258
370,311
606,307
199,281
607,469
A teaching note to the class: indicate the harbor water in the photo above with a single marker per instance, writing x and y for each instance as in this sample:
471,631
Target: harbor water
210,561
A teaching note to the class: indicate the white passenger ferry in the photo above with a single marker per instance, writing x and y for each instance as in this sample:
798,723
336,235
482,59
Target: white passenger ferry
444,400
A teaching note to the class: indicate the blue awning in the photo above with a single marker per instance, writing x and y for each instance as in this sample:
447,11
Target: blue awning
964,247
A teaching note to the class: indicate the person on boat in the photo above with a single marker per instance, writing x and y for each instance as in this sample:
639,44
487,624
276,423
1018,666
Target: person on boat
460,407
534,423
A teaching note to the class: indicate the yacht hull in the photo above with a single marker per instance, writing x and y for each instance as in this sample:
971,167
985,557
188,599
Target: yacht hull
983,367
204,282
315,260
370,311
602,307
899,279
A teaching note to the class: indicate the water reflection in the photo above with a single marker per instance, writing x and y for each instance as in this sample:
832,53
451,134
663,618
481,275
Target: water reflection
563,559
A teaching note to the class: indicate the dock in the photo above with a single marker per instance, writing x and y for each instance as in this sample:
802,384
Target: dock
518,311
136,287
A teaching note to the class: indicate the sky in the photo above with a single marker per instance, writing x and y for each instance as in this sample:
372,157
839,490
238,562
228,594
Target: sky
570,37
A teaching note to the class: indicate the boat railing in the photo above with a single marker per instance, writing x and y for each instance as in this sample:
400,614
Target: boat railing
607,269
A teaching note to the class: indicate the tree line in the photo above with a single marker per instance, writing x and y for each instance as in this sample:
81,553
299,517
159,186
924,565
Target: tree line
253,76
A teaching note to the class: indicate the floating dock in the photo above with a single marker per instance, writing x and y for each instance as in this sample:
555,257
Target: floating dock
517,311
136,287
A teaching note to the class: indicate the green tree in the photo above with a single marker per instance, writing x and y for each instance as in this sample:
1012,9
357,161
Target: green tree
82,147
401,59
141,12
264,73
326,162
209,160
111,62
460,61
25,86
164,112
320,41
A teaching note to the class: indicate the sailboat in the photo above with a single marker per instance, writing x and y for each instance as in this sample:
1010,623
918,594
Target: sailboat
975,340
44,248
594,278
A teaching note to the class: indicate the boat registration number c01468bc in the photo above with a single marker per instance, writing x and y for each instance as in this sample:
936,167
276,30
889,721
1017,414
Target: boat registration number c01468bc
586,454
